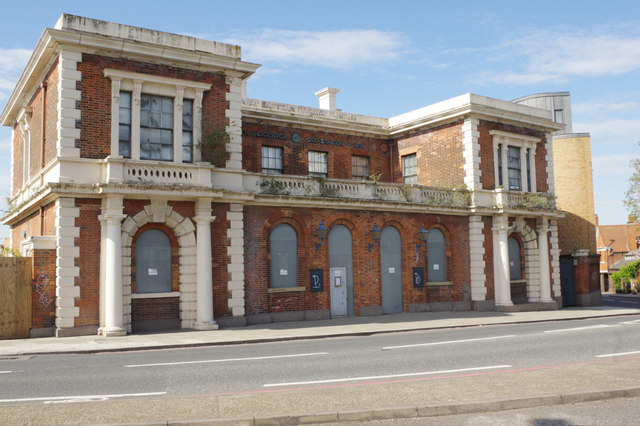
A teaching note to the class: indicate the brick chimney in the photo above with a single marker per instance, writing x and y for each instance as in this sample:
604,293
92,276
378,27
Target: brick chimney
327,98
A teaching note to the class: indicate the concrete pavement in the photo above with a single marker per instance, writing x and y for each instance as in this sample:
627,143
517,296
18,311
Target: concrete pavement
356,402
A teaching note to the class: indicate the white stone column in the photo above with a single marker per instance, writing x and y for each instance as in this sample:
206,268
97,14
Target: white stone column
204,278
501,273
115,122
543,256
523,169
111,219
177,125
505,167
532,170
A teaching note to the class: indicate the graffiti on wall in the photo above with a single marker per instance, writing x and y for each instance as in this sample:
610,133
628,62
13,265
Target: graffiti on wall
42,287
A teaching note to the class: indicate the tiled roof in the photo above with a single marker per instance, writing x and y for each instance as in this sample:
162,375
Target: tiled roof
621,238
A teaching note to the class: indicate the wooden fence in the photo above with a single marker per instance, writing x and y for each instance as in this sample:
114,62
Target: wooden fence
15,297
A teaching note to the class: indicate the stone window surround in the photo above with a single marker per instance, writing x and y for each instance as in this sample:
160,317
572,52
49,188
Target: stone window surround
524,143
138,83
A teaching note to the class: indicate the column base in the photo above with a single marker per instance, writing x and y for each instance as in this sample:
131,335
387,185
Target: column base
205,326
113,331
508,303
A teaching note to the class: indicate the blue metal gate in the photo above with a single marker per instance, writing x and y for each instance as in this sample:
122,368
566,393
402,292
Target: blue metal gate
568,282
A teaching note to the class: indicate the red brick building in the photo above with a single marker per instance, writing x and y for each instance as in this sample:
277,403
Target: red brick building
305,213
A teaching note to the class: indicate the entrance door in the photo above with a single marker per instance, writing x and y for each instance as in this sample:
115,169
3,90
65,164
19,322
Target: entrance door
338,292
391,270
568,283
341,256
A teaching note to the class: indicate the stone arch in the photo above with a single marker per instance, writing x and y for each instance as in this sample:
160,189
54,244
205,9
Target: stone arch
184,231
529,241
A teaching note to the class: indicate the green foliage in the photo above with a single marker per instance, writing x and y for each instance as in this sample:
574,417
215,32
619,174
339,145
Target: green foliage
326,190
632,195
8,252
375,177
273,187
214,147
10,208
406,191
622,278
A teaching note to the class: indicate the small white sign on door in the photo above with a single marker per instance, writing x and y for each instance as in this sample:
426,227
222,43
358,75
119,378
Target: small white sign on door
153,271
436,267
284,272
392,270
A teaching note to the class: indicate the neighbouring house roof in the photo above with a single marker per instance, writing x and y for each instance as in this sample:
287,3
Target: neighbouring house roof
619,238
628,258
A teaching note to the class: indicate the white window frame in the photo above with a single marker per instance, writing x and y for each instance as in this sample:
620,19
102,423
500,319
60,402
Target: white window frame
506,139
177,89
409,177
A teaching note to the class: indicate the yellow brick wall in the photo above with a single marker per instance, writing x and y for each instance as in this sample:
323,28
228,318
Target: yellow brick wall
574,192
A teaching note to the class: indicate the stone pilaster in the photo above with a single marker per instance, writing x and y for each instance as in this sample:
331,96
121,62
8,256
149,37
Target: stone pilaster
543,253
68,113
476,250
235,251
471,153
66,271
555,259
234,126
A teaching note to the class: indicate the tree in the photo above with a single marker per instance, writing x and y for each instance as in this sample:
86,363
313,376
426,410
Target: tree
632,195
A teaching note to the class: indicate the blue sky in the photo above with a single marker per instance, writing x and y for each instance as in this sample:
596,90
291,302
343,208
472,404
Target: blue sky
392,57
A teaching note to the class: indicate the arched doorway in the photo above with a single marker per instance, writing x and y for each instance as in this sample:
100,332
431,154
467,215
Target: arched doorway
391,270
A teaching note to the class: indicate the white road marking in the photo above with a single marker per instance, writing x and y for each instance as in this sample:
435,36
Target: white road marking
390,376
618,354
634,322
581,328
207,361
5,372
81,397
448,342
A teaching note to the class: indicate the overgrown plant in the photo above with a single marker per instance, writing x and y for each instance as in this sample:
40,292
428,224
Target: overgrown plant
627,274
8,252
326,190
273,187
406,191
213,147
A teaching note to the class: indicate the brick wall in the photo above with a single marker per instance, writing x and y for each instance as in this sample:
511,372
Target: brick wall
366,265
40,222
438,153
44,288
95,126
89,262
164,308
340,148
18,159
487,167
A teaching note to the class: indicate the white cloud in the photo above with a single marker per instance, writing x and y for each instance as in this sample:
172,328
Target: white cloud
341,49
611,165
12,61
612,131
560,54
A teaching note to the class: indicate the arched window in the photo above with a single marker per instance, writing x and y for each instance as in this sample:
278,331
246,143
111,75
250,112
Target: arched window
283,244
514,259
153,262
436,260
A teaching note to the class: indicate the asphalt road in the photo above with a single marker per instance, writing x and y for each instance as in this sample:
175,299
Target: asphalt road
323,363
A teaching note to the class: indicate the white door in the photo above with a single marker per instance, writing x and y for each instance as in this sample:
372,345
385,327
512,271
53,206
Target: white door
338,290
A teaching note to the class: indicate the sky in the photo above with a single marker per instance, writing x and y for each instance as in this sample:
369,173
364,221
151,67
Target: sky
388,58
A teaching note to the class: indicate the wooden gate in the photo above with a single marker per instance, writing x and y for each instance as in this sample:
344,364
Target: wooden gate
15,297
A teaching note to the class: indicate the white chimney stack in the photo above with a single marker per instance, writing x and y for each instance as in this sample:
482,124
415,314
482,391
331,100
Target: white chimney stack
327,98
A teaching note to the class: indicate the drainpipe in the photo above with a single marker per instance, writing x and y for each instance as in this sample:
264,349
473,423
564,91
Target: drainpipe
44,127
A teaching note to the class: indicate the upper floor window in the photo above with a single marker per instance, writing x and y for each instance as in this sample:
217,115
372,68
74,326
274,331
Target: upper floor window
514,159
272,159
359,167
318,164
156,128
515,170
187,131
410,169
153,117
124,129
